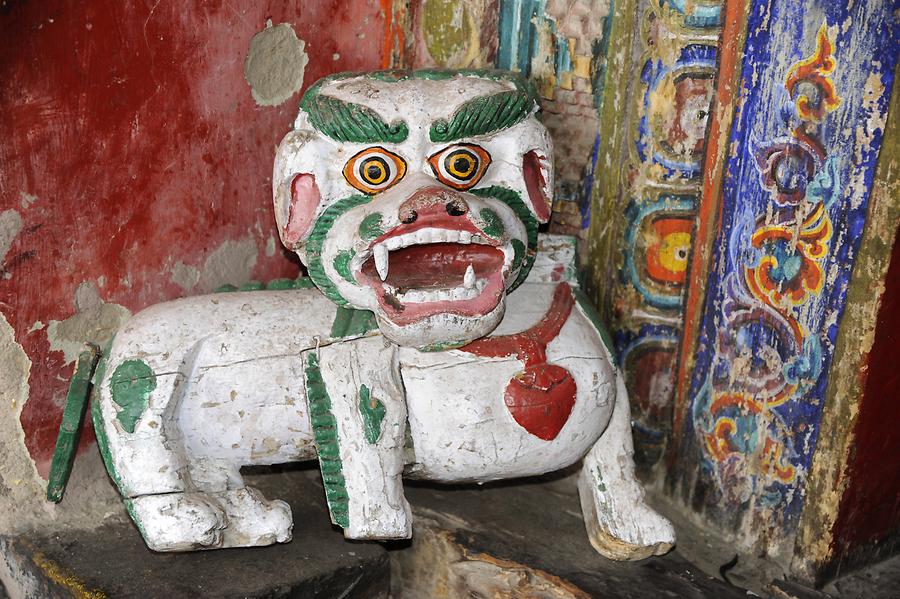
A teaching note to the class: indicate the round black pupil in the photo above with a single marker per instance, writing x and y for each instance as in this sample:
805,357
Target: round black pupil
461,164
373,171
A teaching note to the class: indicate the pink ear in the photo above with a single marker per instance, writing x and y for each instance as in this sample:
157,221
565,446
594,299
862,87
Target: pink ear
536,185
305,198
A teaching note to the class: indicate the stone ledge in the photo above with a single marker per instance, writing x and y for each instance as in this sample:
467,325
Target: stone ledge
505,540
112,561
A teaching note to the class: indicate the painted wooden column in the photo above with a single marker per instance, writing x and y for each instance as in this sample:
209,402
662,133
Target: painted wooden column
851,515
764,359
653,136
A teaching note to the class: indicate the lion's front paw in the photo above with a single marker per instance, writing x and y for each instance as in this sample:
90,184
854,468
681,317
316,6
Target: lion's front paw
179,521
253,520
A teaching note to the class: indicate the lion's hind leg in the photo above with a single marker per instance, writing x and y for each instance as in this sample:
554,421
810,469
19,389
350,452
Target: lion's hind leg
621,526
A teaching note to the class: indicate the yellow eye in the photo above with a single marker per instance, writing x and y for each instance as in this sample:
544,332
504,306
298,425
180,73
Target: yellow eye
374,170
460,166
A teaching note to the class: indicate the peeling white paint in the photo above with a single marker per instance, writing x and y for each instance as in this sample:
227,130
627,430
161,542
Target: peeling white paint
27,199
184,275
19,479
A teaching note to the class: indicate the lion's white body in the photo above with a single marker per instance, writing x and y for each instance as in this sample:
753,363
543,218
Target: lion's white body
194,389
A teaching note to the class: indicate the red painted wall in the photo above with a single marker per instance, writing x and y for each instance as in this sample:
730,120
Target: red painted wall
870,508
133,126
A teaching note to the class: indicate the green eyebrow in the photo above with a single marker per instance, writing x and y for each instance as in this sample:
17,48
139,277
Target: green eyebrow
484,115
346,121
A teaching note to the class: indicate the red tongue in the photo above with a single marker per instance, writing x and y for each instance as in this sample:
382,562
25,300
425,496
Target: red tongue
436,265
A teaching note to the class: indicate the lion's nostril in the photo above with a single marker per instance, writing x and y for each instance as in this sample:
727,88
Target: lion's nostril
408,217
456,208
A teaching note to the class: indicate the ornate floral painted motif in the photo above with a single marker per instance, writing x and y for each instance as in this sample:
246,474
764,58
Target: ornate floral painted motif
796,194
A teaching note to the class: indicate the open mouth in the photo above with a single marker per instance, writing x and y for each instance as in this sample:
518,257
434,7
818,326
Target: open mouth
420,271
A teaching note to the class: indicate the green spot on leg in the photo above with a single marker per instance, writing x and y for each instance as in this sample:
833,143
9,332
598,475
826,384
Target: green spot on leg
342,265
371,227
372,411
493,226
131,385
325,430
601,486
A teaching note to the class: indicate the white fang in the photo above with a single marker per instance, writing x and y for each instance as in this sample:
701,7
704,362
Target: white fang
381,261
469,278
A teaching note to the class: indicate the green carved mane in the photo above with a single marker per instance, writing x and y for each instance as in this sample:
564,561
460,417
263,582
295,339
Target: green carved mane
350,122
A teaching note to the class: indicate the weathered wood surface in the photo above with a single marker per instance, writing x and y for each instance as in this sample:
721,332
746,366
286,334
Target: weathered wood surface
816,82
525,539
647,187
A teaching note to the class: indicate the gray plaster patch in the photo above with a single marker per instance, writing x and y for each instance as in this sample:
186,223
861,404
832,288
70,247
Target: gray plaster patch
27,199
94,321
90,497
18,476
275,64
10,225
185,276
87,297
232,263
270,246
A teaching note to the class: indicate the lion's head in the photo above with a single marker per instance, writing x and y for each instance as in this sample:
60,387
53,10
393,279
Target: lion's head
416,195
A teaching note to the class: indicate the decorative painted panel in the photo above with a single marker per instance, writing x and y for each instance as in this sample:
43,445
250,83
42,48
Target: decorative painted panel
675,65
816,82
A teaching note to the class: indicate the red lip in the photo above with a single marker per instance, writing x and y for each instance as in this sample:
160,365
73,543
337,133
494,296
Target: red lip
428,276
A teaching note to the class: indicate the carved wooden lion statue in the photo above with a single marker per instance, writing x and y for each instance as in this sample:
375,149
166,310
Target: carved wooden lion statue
437,337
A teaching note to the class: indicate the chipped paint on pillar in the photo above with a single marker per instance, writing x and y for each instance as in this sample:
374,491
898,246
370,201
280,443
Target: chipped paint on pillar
453,34
815,89
562,47
650,235
396,24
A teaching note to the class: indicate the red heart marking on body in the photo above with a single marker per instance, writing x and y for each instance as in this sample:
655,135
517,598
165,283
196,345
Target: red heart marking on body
540,399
